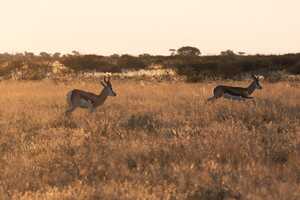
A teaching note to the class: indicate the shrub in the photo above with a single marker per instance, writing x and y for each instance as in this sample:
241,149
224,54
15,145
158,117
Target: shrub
294,69
144,121
131,62
90,62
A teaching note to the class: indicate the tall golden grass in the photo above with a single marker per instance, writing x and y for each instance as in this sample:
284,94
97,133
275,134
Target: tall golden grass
152,141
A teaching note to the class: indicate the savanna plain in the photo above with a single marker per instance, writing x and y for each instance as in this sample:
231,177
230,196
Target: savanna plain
153,141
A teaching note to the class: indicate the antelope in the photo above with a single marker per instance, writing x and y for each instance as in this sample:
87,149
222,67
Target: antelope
87,100
237,93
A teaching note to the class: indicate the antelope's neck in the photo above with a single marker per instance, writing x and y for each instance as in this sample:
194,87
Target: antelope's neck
101,97
251,88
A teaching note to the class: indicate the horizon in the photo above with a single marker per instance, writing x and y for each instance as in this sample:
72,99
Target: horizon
136,55
136,27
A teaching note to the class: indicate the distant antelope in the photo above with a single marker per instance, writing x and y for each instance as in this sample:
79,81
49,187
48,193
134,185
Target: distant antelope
79,98
237,93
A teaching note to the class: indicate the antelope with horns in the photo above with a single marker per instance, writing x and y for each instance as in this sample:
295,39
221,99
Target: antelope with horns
237,93
79,98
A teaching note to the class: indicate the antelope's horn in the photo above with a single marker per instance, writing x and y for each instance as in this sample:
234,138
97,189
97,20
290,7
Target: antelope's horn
260,77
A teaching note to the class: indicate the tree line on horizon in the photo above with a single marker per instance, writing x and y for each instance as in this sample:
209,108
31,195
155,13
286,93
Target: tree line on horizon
186,60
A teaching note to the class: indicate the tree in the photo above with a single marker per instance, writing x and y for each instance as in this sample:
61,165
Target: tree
145,55
173,52
56,55
227,53
45,55
115,56
28,54
19,55
75,53
188,51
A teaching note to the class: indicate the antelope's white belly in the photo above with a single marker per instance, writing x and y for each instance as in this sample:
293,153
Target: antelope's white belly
84,103
233,97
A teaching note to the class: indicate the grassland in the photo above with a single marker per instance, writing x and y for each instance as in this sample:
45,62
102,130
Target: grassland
153,141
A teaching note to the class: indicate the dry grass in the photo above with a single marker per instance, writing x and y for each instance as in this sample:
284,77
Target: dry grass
153,141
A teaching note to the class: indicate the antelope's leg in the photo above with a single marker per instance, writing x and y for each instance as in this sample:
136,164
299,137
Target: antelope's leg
212,98
216,94
70,109
91,108
233,97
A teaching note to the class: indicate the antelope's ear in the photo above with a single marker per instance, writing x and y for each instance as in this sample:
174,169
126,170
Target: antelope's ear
102,83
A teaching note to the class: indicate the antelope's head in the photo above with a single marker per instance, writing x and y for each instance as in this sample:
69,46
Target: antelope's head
108,87
256,80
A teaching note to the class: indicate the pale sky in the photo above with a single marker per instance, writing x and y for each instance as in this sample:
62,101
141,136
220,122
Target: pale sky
149,26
